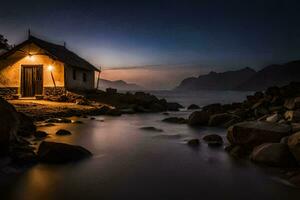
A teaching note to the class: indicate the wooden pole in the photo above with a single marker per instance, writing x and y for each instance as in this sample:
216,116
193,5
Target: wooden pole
98,78
53,80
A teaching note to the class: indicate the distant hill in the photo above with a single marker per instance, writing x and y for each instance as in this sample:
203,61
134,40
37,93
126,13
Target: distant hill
272,75
245,79
217,81
120,85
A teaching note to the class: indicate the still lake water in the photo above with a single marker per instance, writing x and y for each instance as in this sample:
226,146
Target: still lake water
130,163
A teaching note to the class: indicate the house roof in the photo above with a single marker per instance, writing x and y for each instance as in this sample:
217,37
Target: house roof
59,52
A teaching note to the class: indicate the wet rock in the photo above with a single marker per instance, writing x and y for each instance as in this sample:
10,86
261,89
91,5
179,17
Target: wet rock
292,116
57,153
194,142
40,134
238,151
21,153
284,140
273,91
292,103
83,102
63,132
166,113
92,118
213,108
294,145
140,109
273,118
261,110
213,138
156,107
193,107
102,110
151,128
254,133
58,120
273,154
295,127
221,119
175,120
9,120
26,126
22,157
173,106
199,118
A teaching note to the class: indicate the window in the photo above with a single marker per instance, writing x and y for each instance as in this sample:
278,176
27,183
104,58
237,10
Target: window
74,74
84,77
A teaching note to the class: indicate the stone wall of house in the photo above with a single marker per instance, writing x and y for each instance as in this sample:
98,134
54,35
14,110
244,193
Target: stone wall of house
7,91
79,82
51,91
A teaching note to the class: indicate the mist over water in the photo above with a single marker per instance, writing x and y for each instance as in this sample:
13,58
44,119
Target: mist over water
131,163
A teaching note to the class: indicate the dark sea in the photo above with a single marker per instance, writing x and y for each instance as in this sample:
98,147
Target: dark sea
131,163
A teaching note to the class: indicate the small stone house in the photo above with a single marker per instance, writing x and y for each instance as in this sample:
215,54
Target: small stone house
40,68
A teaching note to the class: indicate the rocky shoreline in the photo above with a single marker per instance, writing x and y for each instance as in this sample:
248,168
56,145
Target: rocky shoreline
19,122
95,103
265,128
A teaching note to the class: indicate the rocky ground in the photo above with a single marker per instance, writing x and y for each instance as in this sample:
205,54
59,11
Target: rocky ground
93,103
265,128
19,117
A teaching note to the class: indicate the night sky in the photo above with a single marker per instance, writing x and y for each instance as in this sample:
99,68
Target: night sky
164,40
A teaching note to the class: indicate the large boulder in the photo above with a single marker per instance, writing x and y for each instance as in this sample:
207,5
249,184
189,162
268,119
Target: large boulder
199,118
273,118
173,106
9,122
27,126
52,152
213,140
221,119
63,132
273,154
292,116
292,103
213,108
295,127
254,133
294,145
193,107
193,142
22,153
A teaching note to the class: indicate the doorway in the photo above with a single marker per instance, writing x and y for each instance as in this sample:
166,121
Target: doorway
31,80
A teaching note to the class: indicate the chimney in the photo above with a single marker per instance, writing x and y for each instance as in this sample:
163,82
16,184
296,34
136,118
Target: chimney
65,44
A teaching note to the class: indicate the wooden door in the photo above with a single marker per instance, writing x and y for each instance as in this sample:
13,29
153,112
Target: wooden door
31,80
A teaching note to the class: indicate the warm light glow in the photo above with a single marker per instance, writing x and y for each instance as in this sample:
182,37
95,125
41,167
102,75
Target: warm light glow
30,57
50,68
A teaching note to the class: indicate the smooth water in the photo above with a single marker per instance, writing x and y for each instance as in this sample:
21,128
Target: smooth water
130,163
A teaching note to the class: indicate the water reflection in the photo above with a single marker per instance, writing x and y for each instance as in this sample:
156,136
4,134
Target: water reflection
131,163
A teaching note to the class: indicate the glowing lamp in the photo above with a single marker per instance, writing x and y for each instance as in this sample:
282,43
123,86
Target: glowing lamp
30,57
50,68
